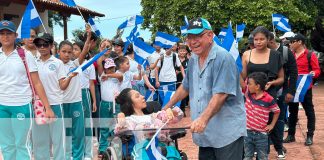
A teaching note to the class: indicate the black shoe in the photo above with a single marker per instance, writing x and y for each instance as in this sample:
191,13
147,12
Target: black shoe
281,155
309,141
289,139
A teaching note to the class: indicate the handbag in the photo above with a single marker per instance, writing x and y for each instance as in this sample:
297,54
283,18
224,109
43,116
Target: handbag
39,109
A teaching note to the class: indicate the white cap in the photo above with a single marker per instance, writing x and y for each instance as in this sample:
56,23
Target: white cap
287,34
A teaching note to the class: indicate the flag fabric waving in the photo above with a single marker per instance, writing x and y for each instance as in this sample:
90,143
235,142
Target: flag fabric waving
183,30
222,33
94,27
84,66
30,19
141,50
240,31
153,152
70,3
303,83
165,40
230,45
130,39
167,97
283,25
151,96
134,20
277,17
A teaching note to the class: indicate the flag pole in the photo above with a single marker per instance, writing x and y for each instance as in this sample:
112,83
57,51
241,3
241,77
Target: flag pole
274,29
39,18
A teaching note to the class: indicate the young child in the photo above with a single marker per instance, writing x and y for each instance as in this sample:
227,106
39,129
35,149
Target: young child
258,106
123,74
107,108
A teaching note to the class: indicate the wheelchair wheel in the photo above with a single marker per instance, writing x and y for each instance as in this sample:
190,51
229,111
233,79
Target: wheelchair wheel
183,156
112,153
105,156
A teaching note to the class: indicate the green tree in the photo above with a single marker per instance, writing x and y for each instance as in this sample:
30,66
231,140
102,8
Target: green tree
168,15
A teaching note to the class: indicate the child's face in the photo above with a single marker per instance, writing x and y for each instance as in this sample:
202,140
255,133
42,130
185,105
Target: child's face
66,53
253,87
125,66
182,52
110,70
76,51
138,100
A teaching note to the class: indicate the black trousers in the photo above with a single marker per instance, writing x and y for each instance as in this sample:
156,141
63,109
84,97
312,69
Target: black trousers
310,113
232,151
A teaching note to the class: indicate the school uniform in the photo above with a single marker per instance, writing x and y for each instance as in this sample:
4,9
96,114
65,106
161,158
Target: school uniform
73,114
15,105
128,77
107,110
50,72
137,85
85,77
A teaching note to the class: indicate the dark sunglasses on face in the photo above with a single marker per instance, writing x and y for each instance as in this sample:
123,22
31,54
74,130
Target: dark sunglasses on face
39,45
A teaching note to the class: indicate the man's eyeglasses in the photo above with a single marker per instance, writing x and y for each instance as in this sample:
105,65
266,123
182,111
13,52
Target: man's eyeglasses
39,45
192,36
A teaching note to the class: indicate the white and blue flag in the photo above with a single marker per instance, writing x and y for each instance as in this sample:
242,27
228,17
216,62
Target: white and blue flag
303,83
70,3
132,21
222,33
165,40
167,97
277,17
230,45
94,27
183,30
30,19
217,41
283,25
151,96
186,21
130,39
141,50
240,31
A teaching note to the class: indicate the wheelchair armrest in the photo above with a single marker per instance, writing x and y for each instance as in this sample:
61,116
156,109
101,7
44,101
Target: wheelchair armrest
178,134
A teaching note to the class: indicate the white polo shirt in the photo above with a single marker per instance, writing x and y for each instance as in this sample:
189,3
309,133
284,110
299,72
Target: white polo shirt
108,88
87,75
14,85
73,92
152,59
50,72
127,78
167,72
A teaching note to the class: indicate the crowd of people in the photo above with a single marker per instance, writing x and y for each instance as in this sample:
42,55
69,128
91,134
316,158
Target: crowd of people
234,114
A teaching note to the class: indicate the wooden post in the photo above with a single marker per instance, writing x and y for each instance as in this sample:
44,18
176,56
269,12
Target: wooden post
65,27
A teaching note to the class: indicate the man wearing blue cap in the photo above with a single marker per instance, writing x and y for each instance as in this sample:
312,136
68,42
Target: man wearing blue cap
216,100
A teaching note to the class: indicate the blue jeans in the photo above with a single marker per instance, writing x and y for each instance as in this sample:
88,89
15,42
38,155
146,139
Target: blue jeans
256,142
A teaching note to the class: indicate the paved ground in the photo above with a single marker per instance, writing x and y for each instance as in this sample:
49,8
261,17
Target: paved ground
296,150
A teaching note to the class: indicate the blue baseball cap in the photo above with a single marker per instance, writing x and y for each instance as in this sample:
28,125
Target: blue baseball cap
8,25
198,25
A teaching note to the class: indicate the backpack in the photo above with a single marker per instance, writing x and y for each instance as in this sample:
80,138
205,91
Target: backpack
309,55
174,59
284,59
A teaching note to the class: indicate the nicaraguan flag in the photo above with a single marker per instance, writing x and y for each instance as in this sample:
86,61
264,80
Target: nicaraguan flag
222,33
183,30
151,96
30,19
230,45
153,150
283,25
217,41
303,83
84,66
141,50
186,21
94,27
70,3
277,17
130,39
134,20
165,40
240,31
167,97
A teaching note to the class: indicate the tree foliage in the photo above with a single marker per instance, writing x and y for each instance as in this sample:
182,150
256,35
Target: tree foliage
168,15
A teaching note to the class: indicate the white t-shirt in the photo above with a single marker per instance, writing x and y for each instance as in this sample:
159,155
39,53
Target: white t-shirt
152,59
73,92
108,89
87,75
35,56
127,78
14,85
50,72
167,72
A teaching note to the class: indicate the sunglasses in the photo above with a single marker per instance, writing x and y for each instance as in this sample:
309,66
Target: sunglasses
39,45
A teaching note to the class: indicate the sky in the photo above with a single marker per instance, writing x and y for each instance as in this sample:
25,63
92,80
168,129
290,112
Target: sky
116,12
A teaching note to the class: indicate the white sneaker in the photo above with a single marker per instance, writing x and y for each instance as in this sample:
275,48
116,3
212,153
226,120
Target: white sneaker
281,155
